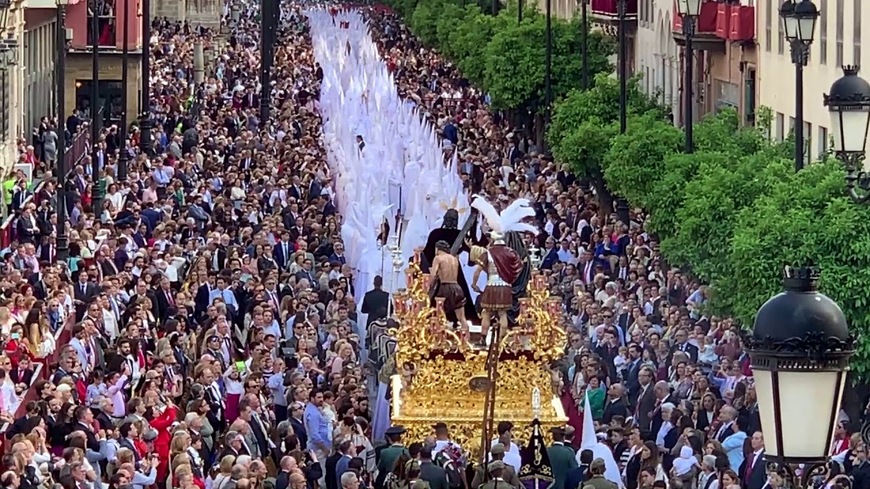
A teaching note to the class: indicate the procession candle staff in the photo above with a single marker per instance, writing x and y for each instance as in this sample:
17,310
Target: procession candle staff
500,262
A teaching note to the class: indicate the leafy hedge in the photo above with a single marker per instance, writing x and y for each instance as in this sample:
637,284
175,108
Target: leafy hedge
734,212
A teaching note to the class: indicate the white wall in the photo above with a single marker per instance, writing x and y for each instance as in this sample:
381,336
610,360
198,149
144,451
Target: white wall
657,57
835,44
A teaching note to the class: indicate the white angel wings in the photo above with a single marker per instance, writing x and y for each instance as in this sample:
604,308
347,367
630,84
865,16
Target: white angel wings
510,218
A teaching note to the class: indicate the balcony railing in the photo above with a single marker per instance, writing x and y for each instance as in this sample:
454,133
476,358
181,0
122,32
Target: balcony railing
609,8
706,22
105,34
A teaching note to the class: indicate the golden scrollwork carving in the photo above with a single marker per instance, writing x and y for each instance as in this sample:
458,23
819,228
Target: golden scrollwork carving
443,365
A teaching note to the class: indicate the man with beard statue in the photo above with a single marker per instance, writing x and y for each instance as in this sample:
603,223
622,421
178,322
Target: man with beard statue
450,233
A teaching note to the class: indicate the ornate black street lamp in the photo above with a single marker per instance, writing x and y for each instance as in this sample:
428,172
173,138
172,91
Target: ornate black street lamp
689,10
799,24
60,169
799,347
849,104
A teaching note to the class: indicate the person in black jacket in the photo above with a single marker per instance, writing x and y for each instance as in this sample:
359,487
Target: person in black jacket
376,302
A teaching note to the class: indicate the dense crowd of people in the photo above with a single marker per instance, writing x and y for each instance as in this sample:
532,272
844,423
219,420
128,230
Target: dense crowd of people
215,340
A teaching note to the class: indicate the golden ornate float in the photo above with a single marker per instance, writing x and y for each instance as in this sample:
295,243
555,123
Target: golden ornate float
442,378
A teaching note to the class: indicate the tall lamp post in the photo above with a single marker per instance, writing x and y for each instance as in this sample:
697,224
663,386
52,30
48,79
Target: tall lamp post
800,343
584,41
622,60
145,107
689,10
519,12
849,104
125,71
799,24
60,167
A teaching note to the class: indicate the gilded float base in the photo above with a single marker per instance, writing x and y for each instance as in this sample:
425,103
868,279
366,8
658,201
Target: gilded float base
439,389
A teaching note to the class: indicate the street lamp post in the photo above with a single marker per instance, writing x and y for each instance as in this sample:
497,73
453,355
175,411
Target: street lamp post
266,41
125,69
96,108
800,343
145,143
548,57
584,41
60,166
519,12
849,104
799,24
622,69
689,10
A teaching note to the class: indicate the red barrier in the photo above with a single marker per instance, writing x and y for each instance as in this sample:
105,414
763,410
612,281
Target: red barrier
74,154
42,369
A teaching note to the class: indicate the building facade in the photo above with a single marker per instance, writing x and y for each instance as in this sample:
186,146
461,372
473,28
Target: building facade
40,54
11,82
657,53
109,36
837,42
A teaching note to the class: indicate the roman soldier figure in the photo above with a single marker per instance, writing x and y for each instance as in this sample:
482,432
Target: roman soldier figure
500,262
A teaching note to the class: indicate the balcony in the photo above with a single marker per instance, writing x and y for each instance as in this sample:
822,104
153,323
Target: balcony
605,13
109,31
707,26
742,24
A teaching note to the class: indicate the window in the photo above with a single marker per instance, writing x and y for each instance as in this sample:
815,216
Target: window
749,97
105,24
780,126
823,31
780,38
728,95
856,32
808,143
840,15
823,142
768,14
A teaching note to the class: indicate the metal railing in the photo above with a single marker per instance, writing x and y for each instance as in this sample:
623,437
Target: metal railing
74,154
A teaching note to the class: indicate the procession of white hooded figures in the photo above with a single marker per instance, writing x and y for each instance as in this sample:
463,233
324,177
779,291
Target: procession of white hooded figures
401,191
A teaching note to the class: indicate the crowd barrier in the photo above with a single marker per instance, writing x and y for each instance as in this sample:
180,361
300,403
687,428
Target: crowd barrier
41,370
74,154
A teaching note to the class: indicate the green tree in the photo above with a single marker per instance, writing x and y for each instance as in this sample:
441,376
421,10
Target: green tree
803,219
712,201
635,159
584,123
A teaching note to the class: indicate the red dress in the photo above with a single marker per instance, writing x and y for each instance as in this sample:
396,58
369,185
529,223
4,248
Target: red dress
163,425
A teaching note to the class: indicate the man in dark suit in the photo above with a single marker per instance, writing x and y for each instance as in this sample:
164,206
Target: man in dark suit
562,457
202,293
83,293
376,302
663,395
329,468
282,480
23,374
728,418
282,251
681,343
85,422
615,405
436,476
295,412
753,470
646,399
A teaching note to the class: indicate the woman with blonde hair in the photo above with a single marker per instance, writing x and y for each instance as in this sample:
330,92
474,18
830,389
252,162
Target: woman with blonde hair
6,320
224,473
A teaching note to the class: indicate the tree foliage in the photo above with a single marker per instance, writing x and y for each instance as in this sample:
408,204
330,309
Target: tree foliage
505,58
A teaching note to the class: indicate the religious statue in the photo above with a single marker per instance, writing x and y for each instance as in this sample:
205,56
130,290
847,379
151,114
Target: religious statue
450,233
502,264
445,271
